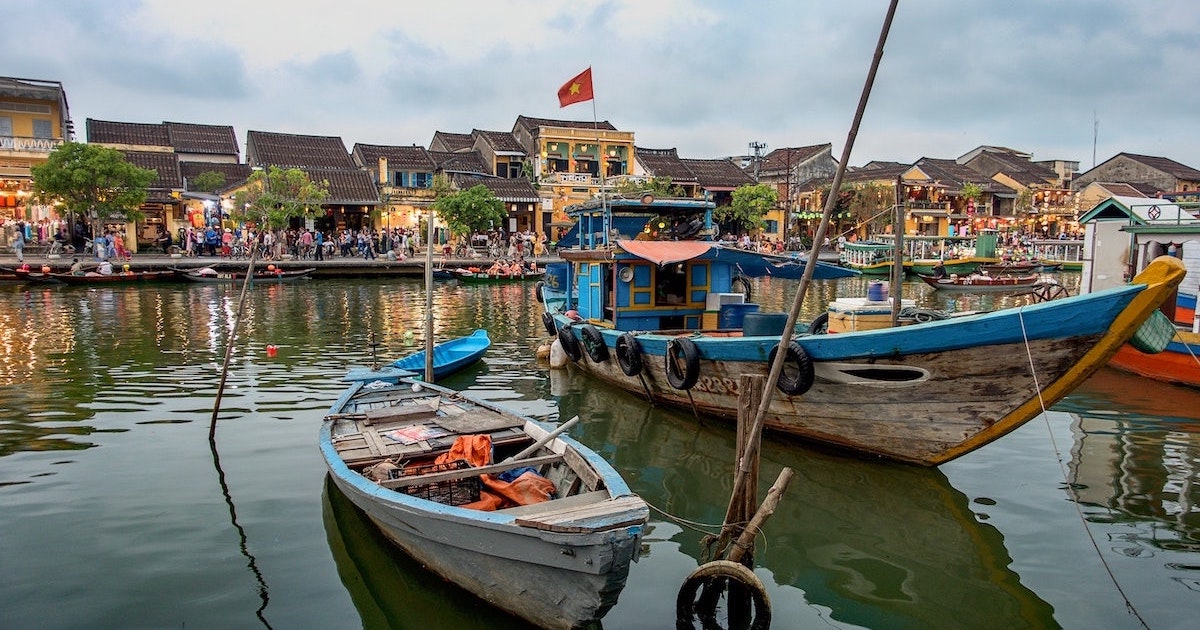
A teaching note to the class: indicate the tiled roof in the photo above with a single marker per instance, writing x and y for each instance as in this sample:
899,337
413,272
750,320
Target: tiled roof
533,123
166,165
405,158
665,163
234,174
782,159
1166,165
287,150
718,173
346,186
452,142
1121,190
210,139
1014,165
953,174
133,134
459,162
511,190
499,140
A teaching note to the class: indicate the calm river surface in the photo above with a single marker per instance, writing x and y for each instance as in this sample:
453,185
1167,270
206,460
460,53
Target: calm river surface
114,512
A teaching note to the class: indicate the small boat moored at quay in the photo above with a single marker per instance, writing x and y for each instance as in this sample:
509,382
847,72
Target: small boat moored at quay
659,319
211,275
507,508
982,282
480,276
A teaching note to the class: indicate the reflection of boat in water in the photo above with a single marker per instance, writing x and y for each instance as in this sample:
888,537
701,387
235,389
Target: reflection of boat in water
390,589
868,541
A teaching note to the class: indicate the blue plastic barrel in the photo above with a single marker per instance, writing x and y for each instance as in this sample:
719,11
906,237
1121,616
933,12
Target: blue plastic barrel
731,315
876,291
764,324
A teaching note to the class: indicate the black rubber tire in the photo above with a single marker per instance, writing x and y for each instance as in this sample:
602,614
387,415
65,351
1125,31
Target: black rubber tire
629,354
569,343
593,343
820,325
798,373
685,348
686,609
548,324
537,291
745,282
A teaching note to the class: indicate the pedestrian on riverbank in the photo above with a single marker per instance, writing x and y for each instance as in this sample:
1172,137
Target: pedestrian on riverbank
19,242
319,245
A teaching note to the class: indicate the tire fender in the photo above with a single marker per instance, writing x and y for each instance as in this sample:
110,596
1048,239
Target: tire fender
684,377
548,323
593,343
629,354
537,292
569,343
798,373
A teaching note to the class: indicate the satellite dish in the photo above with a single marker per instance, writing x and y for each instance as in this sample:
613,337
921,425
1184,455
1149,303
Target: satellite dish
626,274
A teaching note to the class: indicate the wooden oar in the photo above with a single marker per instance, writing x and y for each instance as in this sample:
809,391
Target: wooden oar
542,442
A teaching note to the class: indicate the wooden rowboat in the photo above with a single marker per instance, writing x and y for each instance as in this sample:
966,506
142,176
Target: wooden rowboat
466,275
449,356
211,275
558,563
982,282
130,277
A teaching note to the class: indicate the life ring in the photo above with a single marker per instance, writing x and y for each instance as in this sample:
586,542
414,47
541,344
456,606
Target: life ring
820,325
745,282
537,291
798,374
593,343
569,343
548,323
685,348
629,354
688,608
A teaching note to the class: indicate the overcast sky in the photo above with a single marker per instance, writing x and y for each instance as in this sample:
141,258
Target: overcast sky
704,76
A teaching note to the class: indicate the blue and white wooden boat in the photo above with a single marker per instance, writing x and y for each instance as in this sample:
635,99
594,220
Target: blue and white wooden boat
639,314
560,563
449,356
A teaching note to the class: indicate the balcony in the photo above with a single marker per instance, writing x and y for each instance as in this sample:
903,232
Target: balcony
23,144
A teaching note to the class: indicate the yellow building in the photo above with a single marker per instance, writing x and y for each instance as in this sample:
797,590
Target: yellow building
34,120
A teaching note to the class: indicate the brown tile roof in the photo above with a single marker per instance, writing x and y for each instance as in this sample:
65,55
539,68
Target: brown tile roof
166,165
718,173
499,140
287,150
234,174
133,134
955,175
1121,190
452,142
510,190
210,139
665,163
1014,165
529,122
404,158
1166,165
470,162
346,186
782,159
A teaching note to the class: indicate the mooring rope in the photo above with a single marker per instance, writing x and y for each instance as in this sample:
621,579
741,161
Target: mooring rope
1066,477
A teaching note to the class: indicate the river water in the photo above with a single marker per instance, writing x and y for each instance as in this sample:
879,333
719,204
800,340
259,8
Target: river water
115,512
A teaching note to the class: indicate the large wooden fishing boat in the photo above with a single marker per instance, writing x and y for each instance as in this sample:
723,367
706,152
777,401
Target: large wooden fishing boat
428,465
643,315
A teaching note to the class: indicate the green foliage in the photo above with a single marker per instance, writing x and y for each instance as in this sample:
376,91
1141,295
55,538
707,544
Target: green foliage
658,186
971,190
274,196
473,210
94,180
208,181
751,203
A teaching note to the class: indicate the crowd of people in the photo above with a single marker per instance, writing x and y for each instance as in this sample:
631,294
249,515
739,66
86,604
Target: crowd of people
299,243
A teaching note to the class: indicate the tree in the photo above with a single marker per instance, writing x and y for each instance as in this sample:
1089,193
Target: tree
750,203
658,186
274,196
473,210
93,180
208,181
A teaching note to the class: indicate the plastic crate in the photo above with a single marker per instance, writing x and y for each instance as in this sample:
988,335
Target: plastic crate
450,492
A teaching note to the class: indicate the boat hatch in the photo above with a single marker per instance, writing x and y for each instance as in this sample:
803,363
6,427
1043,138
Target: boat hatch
879,374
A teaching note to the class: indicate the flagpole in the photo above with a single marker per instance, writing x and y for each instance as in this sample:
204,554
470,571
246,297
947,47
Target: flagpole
600,165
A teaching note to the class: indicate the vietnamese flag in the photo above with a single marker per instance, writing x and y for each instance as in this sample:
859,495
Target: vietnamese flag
577,90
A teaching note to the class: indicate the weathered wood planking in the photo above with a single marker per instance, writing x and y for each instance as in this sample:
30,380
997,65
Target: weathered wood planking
588,518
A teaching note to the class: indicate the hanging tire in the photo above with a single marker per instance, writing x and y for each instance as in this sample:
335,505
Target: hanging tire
745,284
689,608
798,374
593,343
548,323
537,291
682,348
629,354
820,325
569,343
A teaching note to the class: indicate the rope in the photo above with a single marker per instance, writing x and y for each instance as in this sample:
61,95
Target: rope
1066,477
692,525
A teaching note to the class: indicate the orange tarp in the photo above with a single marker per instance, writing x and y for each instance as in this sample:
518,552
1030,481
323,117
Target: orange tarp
496,494
665,252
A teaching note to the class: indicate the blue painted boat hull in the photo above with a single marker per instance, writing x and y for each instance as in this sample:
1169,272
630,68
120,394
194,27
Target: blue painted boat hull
449,356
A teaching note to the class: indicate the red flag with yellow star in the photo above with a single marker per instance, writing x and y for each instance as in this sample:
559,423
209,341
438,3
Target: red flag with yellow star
577,90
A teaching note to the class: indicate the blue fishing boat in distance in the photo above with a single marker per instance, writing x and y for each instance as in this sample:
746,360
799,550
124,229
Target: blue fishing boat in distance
510,509
449,356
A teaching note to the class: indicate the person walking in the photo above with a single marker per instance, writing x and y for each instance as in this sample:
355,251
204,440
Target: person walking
19,242
319,244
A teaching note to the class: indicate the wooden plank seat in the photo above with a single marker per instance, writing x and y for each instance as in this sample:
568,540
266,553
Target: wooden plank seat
593,517
571,502
453,475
